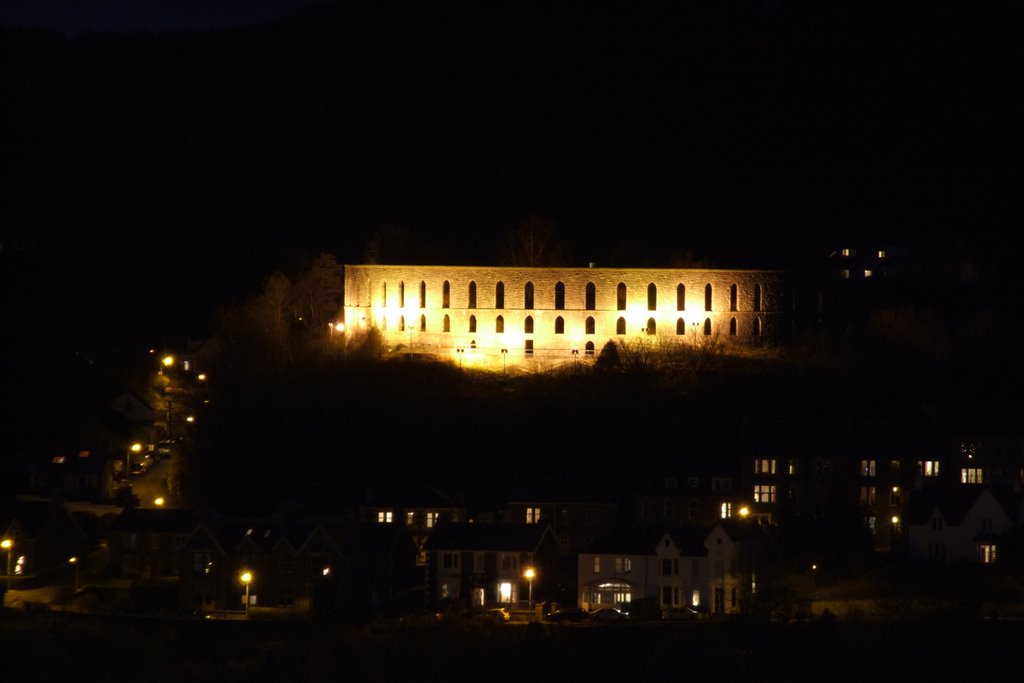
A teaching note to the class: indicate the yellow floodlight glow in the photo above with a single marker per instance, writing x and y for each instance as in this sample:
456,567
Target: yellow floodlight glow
201,377
744,512
168,361
73,560
895,519
159,501
136,447
530,573
6,544
246,577
190,419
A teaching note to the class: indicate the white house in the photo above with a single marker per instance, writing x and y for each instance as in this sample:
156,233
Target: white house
960,523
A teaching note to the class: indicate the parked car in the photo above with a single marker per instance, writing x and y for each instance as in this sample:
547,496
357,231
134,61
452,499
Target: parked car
498,615
568,614
163,448
609,614
684,614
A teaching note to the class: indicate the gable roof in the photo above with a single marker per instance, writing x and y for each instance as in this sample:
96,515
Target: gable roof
155,520
954,501
476,536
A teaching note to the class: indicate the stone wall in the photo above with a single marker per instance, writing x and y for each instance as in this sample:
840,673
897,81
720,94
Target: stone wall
408,305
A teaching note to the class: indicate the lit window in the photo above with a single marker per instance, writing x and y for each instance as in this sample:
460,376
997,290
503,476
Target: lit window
928,468
881,253
971,475
867,495
695,598
431,519
384,516
870,523
532,515
847,252
988,553
764,466
725,510
867,468
410,518
764,493
868,272
505,592
845,273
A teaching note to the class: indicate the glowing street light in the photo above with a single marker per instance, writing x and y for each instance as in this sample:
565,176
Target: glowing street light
246,578
530,574
7,544
167,361
159,501
73,560
744,512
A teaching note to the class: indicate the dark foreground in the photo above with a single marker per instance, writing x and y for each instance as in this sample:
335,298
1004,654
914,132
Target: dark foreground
64,647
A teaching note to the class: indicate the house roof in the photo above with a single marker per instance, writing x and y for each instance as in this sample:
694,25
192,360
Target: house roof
643,539
155,520
409,495
31,516
556,489
474,536
955,500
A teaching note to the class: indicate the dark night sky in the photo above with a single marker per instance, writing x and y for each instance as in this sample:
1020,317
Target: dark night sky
150,175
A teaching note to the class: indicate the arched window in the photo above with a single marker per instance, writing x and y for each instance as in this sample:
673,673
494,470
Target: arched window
652,297
707,297
559,325
528,296
732,297
680,297
620,326
472,295
591,302
528,326
446,295
499,295
590,325
589,348
757,297
447,323
472,343
707,327
652,327
757,327
472,323
401,294
680,326
559,296
423,323
401,323
423,294
499,324
620,297
732,327
383,294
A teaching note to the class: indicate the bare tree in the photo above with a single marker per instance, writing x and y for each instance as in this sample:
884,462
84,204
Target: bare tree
535,243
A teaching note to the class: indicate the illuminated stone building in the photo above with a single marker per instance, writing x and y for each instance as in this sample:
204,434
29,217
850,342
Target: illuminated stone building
541,317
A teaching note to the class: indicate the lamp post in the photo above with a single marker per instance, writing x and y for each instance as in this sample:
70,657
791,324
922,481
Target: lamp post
530,574
460,352
246,579
504,355
74,561
7,544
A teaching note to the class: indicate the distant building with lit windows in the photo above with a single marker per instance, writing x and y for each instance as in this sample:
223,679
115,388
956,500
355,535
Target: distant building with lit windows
540,317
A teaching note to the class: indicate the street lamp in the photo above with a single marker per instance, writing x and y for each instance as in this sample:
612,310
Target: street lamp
530,574
504,355
7,544
246,579
74,561
134,448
